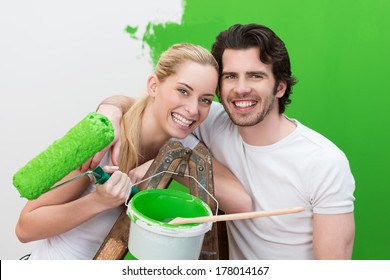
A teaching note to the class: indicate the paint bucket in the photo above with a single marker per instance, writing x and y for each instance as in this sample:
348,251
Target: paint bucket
151,237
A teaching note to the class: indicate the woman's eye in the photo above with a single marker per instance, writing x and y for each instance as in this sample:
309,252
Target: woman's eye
206,100
183,91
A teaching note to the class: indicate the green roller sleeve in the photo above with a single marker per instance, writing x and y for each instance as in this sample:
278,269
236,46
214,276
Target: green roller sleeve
81,142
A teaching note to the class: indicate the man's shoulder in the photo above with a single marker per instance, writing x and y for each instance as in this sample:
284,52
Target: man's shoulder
217,108
217,116
315,137
322,146
216,125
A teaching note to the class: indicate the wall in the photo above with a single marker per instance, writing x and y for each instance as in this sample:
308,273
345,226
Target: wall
339,53
62,59
58,60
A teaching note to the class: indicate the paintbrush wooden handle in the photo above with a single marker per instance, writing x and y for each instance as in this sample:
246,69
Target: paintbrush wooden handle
237,216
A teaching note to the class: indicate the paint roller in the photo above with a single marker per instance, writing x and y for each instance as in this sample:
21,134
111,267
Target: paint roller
89,136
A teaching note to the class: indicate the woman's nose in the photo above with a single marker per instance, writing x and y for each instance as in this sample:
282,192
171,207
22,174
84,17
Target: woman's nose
192,107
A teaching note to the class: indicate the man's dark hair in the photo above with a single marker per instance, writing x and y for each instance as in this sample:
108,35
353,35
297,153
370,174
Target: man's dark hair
272,51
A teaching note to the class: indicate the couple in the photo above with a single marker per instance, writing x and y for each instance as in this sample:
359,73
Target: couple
278,162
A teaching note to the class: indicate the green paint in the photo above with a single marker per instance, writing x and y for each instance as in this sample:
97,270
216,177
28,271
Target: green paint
157,206
132,30
340,54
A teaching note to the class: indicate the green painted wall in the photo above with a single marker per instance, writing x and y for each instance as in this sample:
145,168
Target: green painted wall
340,55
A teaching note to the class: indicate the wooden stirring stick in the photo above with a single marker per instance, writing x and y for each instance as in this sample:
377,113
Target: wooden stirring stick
237,216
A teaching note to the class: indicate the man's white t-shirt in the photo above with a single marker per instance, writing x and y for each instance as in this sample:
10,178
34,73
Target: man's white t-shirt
303,169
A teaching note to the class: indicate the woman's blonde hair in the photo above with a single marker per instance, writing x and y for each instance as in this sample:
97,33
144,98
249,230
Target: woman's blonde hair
167,65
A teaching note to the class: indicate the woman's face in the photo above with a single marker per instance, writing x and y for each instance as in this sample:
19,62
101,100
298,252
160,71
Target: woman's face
183,100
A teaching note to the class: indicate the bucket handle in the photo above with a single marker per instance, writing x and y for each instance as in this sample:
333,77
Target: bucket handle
174,173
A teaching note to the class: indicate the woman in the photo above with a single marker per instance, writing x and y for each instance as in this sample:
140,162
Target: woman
72,221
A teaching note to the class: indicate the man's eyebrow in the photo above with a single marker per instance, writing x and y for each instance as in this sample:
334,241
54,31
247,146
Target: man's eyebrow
256,73
228,73
184,84
248,73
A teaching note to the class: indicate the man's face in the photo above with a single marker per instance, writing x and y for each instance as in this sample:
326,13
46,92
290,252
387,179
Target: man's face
247,90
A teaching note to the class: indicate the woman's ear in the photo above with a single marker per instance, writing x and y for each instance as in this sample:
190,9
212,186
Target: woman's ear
152,85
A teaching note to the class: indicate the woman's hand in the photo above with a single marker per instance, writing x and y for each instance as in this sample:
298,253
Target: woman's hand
115,190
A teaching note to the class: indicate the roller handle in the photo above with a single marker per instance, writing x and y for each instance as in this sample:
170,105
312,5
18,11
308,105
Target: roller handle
102,176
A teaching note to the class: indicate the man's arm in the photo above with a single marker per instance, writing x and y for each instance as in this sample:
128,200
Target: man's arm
121,102
228,191
333,236
112,107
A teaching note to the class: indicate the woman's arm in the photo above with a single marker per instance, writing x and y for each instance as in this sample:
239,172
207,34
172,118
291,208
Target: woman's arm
62,208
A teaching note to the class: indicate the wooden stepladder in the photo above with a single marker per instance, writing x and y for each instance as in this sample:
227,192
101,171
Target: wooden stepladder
172,159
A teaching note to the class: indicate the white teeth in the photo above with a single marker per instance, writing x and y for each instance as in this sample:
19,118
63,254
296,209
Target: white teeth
181,120
244,104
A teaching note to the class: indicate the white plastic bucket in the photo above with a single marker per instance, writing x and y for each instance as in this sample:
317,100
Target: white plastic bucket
152,238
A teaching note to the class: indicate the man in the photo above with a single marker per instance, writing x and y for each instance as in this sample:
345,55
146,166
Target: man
279,161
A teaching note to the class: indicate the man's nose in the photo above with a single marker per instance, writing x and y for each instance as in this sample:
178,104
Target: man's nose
242,86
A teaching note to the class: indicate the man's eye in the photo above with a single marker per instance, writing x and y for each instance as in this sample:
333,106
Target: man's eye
229,77
256,76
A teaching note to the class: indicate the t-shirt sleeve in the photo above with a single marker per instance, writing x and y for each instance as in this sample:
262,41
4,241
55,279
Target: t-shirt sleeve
332,183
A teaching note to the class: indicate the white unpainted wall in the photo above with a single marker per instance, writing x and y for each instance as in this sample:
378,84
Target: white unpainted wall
58,60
